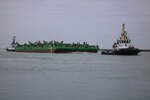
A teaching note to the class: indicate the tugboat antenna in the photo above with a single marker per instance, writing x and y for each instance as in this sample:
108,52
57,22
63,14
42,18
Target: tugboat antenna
13,41
123,29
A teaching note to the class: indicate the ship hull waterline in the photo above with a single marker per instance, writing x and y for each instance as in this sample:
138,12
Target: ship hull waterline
10,50
55,51
121,52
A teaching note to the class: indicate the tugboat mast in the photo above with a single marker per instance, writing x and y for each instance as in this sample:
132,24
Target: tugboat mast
123,29
13,44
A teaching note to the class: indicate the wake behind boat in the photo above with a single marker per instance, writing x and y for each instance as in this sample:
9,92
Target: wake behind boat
123,46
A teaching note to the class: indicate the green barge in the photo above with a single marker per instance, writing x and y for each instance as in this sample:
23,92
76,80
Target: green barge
53,47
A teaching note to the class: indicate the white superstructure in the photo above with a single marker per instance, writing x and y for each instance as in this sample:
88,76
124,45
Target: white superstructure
124,41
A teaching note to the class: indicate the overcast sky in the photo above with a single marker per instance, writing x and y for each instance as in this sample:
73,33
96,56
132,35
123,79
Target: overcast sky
95,21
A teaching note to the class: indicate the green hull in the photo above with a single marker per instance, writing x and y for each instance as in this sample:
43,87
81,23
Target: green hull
56,49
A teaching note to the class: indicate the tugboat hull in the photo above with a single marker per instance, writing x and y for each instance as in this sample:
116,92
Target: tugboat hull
10,49
128,51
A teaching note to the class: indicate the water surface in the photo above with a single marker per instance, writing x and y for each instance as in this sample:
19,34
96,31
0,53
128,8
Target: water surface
74,76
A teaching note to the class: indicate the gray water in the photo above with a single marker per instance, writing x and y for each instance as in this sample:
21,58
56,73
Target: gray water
74,76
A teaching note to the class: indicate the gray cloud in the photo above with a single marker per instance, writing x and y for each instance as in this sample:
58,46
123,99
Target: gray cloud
94,21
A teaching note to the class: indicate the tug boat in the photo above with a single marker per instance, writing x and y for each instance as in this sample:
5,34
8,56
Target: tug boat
123,46
12,45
